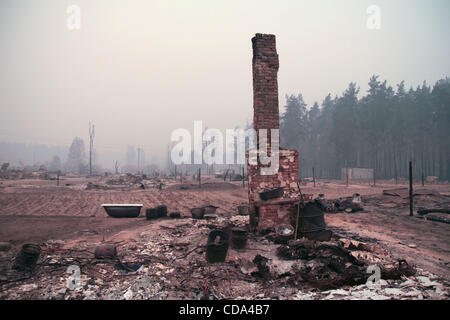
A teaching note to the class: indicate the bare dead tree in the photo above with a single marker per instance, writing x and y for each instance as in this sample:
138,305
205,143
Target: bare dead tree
91,145
138,160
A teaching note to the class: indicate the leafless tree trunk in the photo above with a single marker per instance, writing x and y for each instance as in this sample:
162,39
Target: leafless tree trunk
138,160
91,145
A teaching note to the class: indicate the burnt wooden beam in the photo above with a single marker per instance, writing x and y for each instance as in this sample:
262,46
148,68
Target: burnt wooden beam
427,211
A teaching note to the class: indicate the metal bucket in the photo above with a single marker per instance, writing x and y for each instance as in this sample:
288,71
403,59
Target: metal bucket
243,210
216,250
105,252
198,213
151,213
27,257
162,211
175,215
238,238
284,232
210,209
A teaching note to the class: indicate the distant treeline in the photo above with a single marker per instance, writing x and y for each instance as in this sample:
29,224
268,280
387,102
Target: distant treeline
383,130
23,154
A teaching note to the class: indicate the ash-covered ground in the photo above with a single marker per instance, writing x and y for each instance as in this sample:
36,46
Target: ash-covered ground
165,258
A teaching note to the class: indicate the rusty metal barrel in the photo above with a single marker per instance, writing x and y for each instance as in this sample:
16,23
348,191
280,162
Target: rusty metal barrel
311,219
27,257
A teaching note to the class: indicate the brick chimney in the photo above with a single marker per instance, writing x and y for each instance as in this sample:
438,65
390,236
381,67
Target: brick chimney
265,83
266,215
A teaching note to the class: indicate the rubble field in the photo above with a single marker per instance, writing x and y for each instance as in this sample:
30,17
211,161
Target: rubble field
165,258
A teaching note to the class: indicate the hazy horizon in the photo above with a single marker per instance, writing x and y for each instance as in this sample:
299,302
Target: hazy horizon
140,69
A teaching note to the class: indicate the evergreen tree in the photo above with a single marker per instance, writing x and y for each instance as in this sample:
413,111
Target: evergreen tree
384,130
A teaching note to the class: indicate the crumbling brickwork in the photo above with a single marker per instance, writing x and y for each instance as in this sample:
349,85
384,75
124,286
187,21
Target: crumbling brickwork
265,83
267,214
270,215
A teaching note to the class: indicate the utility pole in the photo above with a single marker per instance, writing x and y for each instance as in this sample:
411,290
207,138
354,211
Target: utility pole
411,203
346,174
91,145
314,177
423,174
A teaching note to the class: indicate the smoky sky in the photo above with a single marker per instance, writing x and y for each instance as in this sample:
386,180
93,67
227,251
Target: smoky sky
141,69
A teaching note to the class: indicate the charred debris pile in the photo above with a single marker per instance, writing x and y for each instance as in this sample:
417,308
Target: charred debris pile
213,255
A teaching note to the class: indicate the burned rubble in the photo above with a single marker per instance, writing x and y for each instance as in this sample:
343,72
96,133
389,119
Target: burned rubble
274,245
175,265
